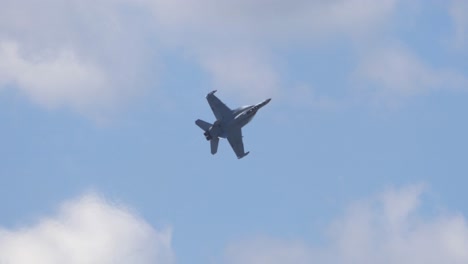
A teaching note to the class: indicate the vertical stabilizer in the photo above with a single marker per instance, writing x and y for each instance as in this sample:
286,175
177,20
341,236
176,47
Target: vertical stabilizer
214,145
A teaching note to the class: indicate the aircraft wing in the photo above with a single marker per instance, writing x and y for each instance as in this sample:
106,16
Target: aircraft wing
220,110
235,140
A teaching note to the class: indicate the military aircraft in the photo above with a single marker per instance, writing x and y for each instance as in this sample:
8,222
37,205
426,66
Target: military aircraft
228,124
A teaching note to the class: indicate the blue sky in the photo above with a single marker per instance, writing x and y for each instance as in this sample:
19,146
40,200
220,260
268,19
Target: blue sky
359,158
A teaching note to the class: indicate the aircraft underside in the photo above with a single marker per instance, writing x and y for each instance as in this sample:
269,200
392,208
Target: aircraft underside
228,124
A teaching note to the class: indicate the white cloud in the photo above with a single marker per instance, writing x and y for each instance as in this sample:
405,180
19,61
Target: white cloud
111,44
243,21
84,55
387,229
53,81
220,32
244,72
71,55
86,231
235,40
395,72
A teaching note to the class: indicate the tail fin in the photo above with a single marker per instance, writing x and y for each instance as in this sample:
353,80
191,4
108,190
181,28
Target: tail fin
214,145
203,124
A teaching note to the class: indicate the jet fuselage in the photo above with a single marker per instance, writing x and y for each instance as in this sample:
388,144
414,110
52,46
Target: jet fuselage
242,116
228,124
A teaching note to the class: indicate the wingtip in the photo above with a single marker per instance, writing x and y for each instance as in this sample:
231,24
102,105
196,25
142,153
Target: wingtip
245,154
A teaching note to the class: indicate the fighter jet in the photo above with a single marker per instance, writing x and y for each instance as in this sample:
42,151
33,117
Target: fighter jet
228,124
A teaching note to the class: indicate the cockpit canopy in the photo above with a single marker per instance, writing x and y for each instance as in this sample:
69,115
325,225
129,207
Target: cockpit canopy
241,109
253,109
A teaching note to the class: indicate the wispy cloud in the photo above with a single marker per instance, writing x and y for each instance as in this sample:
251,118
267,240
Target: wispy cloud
83,55
87,230
55,80
458,11
393,72
308,97
87,55
389,229
236,40
265,21
111,45
243,71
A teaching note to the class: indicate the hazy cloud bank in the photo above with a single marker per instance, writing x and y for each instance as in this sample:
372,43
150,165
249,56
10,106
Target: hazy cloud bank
388,229
91,56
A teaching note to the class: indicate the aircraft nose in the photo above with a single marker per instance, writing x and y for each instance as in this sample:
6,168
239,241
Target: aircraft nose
266,101
262,104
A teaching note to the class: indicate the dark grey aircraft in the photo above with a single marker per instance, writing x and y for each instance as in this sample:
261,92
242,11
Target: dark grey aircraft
228,124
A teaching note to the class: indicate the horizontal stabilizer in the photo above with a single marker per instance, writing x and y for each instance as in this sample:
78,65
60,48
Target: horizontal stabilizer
203,124
214,145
